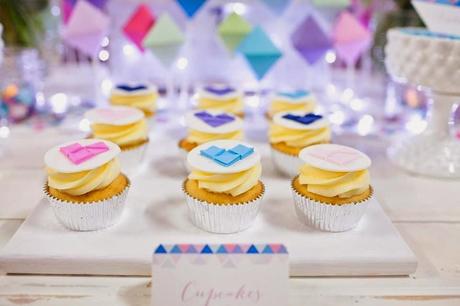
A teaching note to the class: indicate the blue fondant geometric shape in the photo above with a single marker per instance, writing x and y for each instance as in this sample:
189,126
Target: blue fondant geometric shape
161,250
227,158
294,94
242,151
212,152
306,119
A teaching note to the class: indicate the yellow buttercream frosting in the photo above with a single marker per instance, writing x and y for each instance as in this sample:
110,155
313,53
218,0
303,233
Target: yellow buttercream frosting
199,137
298,138
122,135
233,105
278,106
233,183
83,182
332,184
145,101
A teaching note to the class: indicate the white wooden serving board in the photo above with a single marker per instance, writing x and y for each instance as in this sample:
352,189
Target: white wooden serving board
156,213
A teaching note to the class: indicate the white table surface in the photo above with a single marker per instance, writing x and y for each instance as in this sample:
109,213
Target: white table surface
425,211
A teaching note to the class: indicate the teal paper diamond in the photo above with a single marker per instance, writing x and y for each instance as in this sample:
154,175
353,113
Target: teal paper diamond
260,52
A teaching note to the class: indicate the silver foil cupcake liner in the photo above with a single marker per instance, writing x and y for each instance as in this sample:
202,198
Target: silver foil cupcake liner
131,159
288,165
88,216
222,219
329,217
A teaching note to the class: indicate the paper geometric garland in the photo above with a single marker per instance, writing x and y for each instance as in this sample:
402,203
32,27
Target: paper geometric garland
86,28
332,3
310,40
190,7
67,7
277,6
351,38
259,51
233,30
138,25
164,39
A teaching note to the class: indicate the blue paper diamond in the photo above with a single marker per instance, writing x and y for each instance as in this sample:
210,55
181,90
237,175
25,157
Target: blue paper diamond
307,119
190,7
222,250
259,51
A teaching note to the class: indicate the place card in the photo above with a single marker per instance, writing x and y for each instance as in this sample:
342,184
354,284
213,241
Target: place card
220,275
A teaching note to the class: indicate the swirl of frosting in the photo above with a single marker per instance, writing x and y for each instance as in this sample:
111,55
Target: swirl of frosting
83,182
278,106
298,138
228,183
332,184
232,105
122,135
202,137
144,101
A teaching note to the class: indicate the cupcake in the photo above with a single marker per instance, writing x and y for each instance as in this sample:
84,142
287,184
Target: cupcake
283,101
206,126
142,97
124,126
221,98
85,186
290,132
333,189
224,191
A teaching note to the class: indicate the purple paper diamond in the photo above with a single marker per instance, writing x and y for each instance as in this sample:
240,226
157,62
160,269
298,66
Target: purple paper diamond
310,40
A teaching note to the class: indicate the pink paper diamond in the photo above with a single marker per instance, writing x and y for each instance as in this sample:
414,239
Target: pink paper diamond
351,38
138,25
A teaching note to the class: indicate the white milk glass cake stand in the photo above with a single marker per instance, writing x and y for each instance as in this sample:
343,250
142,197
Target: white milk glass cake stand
431,61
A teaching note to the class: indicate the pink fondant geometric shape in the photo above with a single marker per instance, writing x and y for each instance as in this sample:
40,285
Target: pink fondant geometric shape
337,156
